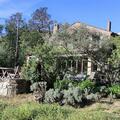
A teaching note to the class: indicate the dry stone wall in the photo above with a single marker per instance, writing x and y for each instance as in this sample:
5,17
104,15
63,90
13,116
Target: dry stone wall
10,88
7,89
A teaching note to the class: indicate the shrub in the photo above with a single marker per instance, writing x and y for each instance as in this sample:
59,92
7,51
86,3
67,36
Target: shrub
115,90
52,96
93,97
72,96
61,84
86,84
29,72
102,90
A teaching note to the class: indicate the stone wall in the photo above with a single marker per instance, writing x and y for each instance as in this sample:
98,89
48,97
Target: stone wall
10,88
7,89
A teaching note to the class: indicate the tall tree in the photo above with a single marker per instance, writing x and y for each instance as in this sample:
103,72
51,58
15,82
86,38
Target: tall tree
41,20
29,39
14,27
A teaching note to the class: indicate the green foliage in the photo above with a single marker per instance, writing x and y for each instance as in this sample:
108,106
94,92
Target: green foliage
74,93
64,84
49,96
115,89
34,111
72,96
3,55
29,71
46,58
1,29
41,20
93,97
52,96
114,60
102,90
30,39
61,84
86,84
34,86
13,24
3,105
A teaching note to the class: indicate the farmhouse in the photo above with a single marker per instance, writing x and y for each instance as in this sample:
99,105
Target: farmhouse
82,64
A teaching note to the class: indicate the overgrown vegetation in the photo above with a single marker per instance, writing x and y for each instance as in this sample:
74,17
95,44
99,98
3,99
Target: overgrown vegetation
34,39
52,112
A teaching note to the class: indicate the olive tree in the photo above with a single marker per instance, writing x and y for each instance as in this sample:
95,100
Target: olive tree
95,46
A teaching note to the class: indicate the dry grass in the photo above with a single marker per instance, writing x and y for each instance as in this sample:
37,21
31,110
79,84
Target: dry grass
25,104
18,99
104,104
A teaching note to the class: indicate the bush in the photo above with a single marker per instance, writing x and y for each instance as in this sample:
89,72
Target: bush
115,90
72,96
93,97
52,96
102,90
62,84
74,93
86,84
29,72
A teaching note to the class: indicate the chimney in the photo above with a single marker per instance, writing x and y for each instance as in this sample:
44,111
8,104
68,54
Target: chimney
55,28
109,26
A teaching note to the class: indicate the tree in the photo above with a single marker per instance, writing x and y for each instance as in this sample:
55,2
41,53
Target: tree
14,27
62,37
45,65
3,53
114,60
41,20
29,39
89,44
1,29
93,46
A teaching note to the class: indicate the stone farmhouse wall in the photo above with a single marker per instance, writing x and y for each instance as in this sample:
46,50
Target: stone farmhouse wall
10,88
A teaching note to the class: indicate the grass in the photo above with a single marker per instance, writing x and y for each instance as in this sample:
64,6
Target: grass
23,108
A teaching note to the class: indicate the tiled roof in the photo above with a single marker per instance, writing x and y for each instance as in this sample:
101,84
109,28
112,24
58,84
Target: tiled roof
91,28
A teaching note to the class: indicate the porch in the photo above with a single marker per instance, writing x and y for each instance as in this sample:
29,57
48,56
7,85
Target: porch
79,64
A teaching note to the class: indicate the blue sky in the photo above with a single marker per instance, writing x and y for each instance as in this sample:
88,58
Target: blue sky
93,12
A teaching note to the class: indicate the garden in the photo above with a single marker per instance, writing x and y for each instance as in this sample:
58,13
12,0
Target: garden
55,92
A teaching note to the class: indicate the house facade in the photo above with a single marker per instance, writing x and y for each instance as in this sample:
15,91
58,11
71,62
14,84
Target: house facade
81,63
